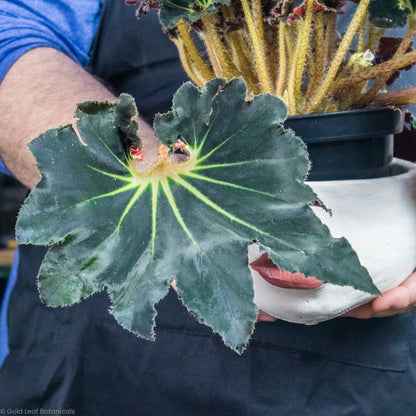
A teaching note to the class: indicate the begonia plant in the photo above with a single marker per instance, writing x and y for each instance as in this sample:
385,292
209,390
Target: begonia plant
295,49
228,172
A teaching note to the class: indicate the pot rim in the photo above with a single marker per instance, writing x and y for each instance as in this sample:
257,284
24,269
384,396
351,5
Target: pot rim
353,111
400,168
379,123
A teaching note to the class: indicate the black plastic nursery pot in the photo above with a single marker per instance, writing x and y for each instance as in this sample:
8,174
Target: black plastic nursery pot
355,144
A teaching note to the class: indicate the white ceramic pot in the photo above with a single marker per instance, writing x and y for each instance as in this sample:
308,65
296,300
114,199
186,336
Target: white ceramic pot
378,217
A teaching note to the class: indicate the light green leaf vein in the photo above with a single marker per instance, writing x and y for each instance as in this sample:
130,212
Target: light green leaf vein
112,175
155,194
224,165
175,209
113,193
232,185
227,214
200,160
132,201
205,136
195,145
177,6
111,152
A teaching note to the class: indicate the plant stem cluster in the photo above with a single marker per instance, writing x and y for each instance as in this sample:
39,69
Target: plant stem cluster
296,53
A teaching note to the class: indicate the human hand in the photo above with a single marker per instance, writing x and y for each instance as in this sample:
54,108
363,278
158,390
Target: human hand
265,317
150,146
395,301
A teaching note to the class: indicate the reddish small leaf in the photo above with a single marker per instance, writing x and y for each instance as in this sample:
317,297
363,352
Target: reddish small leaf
136,153
281,278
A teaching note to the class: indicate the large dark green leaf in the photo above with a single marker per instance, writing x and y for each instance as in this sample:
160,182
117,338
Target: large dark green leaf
133,233
172,11
388,13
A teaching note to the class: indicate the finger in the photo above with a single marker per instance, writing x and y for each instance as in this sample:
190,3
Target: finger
366,312
410,283
361,312
150,148
265,317
389,312
398,298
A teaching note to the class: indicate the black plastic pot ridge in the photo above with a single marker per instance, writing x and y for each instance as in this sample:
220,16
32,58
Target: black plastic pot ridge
356,144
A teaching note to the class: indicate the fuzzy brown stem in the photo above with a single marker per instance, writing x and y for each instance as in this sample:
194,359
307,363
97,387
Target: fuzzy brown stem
244,41
184,58
339,56
361,35
402,96
374,36
258,47
371,37
290,43
271,35
194,58
240,53
292,77
378,85
319,55
330,36
378,70
217,53
281,81
295,81
212,56
242,64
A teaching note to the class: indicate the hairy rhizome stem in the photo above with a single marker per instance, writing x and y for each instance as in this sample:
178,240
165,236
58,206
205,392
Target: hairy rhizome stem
217,53
379,84
240,52
406,96
374,36
330,36
193,55
296,73
359,15
319,54
258,46
185,61
362,33
281,80
377,70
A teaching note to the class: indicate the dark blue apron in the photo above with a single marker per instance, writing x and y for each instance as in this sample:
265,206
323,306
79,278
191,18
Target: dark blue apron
78,360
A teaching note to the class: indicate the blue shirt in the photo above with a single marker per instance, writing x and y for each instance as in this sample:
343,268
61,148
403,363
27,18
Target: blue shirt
67,26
